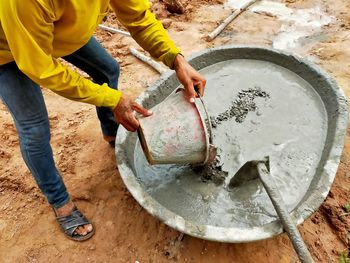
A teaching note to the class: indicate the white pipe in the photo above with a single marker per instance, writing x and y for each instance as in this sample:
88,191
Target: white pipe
114,30
158,67
229,19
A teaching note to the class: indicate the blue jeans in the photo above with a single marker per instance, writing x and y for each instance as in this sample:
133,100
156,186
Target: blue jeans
26,104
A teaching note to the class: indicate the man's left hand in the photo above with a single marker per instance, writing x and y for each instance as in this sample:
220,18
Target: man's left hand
189,78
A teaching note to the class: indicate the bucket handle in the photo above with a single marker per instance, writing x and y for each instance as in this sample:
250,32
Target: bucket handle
210,128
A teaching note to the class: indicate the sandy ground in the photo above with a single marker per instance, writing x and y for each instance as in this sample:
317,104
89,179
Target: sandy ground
125,231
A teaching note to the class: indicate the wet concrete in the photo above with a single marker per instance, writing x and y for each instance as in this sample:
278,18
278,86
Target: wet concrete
211,171
300,126
239,109
290,127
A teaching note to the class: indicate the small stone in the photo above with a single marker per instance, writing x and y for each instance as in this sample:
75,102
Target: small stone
167,23
314,220
206,198
318,243
174,6
254,122
189,8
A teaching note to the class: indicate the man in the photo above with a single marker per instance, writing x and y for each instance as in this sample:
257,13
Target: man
33,35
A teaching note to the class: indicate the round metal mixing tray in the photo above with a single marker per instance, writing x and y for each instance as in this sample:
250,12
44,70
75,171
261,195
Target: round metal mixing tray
263,102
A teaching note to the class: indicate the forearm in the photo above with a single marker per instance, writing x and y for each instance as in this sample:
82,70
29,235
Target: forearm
72,85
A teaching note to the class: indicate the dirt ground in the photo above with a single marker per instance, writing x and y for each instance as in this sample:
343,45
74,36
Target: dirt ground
124,231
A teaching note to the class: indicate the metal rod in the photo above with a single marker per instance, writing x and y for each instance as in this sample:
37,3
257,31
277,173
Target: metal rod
287,222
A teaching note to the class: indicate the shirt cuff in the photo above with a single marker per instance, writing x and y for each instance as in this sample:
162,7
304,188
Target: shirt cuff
169,58
112,98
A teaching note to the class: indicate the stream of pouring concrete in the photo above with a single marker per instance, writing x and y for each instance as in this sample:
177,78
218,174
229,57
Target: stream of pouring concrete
289,126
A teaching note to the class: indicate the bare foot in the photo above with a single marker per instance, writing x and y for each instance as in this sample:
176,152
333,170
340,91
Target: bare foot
66,210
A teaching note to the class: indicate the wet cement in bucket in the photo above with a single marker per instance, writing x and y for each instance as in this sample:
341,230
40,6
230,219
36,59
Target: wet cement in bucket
288,122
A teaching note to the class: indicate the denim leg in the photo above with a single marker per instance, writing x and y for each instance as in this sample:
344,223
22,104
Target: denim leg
102,68
26,104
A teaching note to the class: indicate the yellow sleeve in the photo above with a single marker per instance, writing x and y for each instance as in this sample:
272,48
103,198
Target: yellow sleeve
146,29
28,26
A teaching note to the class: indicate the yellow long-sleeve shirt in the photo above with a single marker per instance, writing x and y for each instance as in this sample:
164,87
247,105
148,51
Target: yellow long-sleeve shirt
34,33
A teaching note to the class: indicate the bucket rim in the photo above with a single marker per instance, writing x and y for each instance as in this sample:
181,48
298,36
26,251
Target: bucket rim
207,134
144,145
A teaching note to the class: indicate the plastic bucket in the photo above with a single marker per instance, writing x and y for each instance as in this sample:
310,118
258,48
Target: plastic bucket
176,133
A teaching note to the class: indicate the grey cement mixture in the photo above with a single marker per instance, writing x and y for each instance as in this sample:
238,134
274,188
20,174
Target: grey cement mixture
290,126
239,110
211,172
241,106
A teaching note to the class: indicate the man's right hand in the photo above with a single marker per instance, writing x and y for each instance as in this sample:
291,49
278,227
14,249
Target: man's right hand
124,113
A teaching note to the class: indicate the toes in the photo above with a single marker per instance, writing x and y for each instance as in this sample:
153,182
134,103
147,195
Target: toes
80,231
88,228
83,230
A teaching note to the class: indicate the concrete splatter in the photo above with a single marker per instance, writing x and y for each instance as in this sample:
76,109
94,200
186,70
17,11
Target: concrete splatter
211,172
